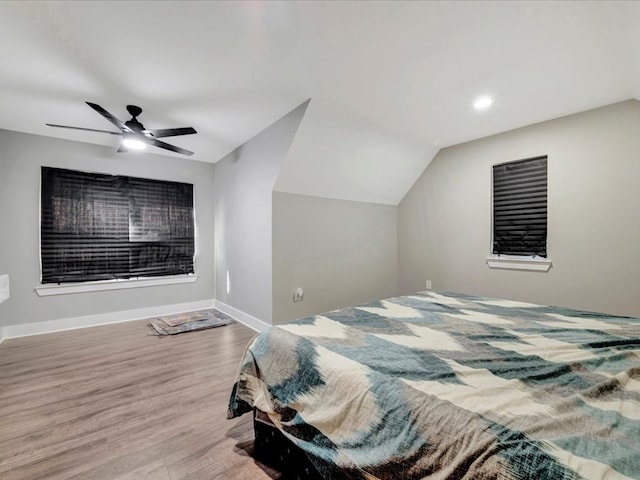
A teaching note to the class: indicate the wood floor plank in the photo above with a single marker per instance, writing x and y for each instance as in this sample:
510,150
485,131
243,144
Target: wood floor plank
116,403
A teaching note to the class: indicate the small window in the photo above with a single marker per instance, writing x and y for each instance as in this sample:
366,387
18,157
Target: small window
520,207
101,227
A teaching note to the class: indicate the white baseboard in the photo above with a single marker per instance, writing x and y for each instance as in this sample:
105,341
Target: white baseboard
50,326
238,315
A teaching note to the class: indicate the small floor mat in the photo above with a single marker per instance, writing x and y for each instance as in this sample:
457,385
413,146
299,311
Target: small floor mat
188,322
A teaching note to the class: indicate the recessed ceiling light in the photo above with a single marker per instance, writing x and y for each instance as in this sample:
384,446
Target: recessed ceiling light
482,103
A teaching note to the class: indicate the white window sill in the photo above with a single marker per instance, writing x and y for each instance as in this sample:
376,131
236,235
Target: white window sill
517,262
63,289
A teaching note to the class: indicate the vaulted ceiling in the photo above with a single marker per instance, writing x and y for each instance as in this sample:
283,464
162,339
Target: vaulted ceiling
390,82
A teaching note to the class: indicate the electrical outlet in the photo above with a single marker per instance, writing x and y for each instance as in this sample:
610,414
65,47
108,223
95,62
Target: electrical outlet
428,284
298,295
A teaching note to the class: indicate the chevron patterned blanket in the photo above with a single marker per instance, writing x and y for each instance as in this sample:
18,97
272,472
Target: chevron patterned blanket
450,386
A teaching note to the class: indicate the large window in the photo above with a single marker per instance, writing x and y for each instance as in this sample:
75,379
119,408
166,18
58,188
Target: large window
520,207
98,227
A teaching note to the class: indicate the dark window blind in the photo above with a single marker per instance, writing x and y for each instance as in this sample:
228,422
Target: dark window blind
97,227
520,207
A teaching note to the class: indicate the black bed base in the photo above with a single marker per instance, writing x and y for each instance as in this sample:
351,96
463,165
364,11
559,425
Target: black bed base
278,452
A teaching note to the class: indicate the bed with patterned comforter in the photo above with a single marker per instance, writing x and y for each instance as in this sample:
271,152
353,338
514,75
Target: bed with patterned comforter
450,386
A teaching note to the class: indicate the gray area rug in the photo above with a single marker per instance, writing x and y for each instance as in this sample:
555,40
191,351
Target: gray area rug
188,322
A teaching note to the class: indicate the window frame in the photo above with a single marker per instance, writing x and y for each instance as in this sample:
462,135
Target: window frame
518,261
130,279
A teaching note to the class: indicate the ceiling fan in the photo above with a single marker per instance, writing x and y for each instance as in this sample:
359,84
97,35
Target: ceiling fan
134,135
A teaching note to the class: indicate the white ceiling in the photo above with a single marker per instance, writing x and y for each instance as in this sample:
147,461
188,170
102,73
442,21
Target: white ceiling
390,82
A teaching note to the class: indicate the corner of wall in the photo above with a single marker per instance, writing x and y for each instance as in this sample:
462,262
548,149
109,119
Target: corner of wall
243,187
248,320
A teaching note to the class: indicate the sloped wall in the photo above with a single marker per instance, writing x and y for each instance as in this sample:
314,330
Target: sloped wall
337,155
444,222
244,180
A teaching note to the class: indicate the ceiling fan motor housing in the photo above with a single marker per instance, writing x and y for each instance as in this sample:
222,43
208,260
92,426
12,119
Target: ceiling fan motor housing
134,124
134,110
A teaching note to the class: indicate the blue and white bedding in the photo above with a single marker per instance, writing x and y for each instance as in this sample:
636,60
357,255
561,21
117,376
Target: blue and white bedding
452,386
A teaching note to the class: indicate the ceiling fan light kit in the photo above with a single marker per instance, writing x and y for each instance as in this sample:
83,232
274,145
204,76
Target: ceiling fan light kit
134,135
130,142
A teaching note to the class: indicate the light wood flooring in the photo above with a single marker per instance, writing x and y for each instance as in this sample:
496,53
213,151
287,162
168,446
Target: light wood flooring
115,403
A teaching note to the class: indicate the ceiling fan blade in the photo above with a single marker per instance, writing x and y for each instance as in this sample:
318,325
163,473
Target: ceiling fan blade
166,146
118,123
171,132
85,129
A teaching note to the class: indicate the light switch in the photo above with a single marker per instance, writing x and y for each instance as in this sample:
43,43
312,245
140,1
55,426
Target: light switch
4,287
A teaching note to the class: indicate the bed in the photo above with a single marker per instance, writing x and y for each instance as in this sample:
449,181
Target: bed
450,386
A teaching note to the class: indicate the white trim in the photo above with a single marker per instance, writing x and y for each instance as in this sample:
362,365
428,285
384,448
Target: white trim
50,326
244,318
515,262
1,335
117,284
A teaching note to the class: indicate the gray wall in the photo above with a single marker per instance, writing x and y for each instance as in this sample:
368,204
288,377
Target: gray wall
3,262
444,222
244,181
22,155
340,252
